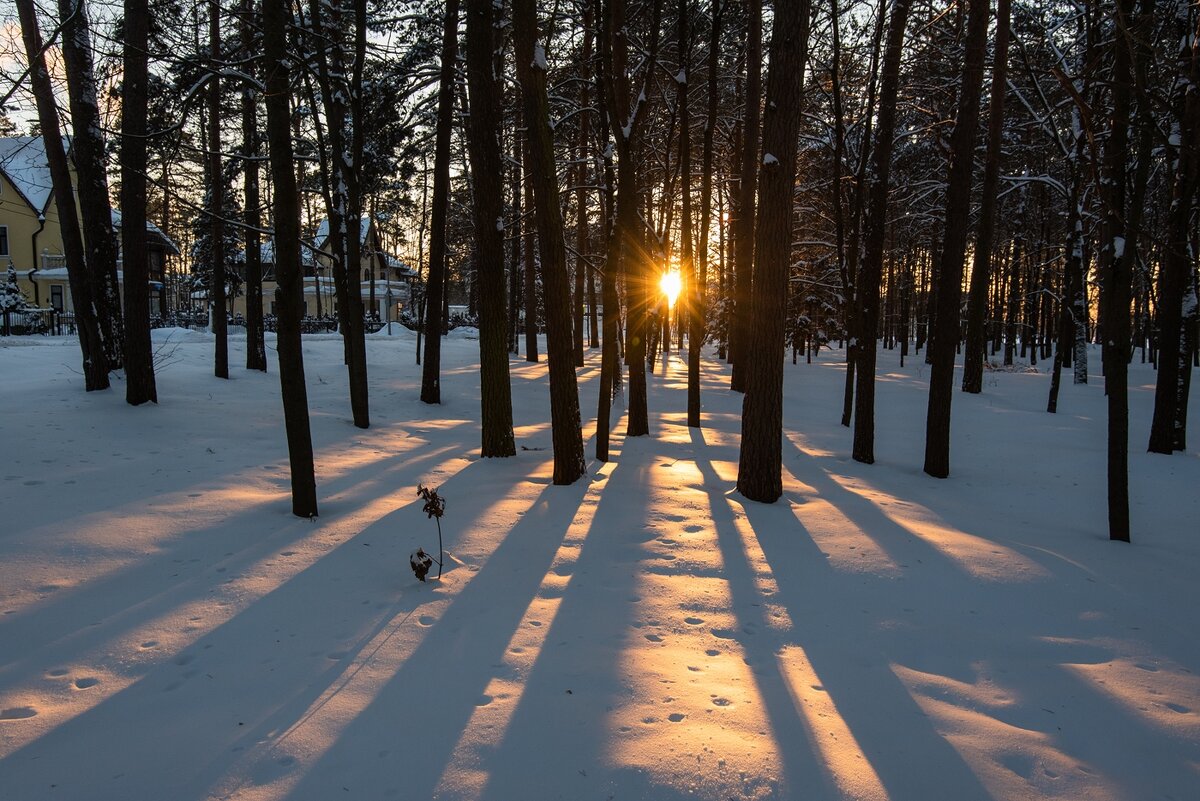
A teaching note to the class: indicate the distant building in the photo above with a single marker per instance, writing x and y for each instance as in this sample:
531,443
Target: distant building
392,278
30,233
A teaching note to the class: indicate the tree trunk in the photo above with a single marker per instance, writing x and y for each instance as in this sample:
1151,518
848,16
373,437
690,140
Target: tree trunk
90,169
95,364
290,293
218,314
747,191
693,302
431,391
1177,269
140,384
256,348
487,175
870,273
760,463
609,363
564,394
977,300
958,207
1115,274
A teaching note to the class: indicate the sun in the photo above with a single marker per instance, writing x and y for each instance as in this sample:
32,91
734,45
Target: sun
671,285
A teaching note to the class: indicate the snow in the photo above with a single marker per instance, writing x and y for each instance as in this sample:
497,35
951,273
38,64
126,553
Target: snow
168,630
539,57
769,159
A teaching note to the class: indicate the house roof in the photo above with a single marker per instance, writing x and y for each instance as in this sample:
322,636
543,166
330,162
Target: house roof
267,253
23,161
364,226
152,229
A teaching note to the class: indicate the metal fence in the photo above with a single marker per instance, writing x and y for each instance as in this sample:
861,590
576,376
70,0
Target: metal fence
51,322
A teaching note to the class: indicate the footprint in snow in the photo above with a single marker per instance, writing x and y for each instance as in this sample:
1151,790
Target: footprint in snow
675,717
654,638
84,683
17,713
693,621
1180,708
426,620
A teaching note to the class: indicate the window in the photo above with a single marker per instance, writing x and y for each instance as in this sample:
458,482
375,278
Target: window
3,240
56,296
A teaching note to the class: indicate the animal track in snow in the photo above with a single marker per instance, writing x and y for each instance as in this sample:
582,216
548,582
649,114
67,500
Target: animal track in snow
17,713
675,717
426,620
693,621
85,682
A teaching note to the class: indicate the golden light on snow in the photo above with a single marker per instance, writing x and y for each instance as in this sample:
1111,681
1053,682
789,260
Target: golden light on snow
829,735
671,284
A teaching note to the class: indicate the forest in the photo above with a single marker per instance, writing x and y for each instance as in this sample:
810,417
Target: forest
1003,183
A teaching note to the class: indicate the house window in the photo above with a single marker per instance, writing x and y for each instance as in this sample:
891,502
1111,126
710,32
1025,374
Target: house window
3,240
56,296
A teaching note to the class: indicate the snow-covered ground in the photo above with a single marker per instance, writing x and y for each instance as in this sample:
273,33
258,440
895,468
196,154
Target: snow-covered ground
169,632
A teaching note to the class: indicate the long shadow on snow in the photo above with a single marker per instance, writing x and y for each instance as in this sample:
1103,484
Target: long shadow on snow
586,639
888,725
159,720
50,633
423,709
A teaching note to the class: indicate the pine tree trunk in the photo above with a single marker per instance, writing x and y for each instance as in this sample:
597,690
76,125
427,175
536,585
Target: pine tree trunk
977,300
90,169
609,362
290,293
1115,274
218,307
95,364
564,394
870,273
256,348
431,391
1175,292
693,302
140,385
760,463
958,206
747,192
487,175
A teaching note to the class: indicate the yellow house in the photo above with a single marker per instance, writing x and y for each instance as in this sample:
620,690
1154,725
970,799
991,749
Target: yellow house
30,235
392,279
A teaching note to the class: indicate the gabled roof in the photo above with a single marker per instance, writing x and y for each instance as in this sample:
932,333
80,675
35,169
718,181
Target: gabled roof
153,230
267,253
364,225
23,161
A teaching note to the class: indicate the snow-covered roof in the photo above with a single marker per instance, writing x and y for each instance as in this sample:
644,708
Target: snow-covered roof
364,226
23,162
399,266
151,228
267,253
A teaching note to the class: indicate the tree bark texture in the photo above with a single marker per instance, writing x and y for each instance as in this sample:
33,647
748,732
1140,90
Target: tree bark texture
954,245
743,235
564,393
431,391
87,146
95,364
487,175
290,292
760,463
977,300
870,273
